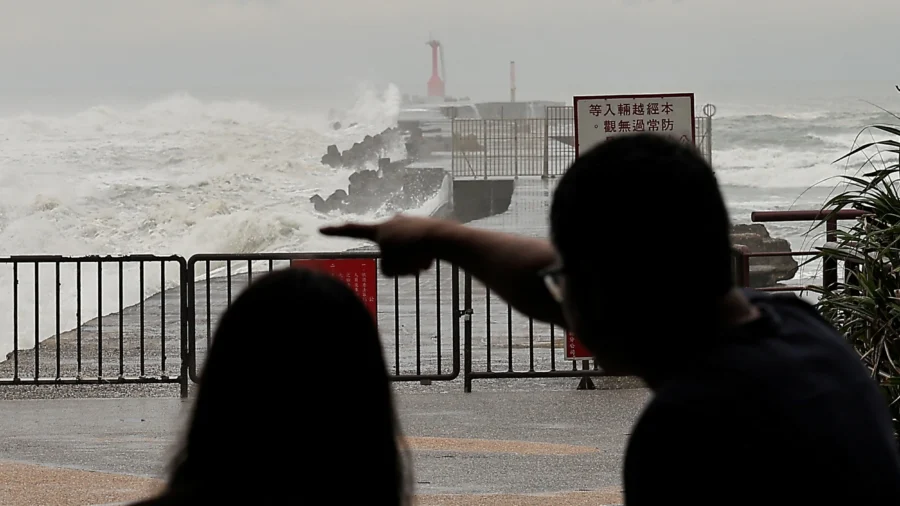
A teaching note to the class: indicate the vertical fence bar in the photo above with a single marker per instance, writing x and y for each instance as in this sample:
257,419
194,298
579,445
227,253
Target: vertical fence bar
418,327
486,148
58,325
454,295
397,326
487,329
185,283
142,323
467,353
208,306
545,169
99,319
509,338
437,268
227,280
15,319
79,322
552,347
189,277
515,126
531,344
122,319
37,321
162,317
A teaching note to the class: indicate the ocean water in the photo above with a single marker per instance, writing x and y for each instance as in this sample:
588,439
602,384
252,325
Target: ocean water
181,175
175,175
783,156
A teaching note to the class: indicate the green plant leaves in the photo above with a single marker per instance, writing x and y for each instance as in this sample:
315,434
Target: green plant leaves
865,305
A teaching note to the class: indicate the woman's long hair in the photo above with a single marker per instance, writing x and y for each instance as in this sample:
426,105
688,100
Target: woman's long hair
294,396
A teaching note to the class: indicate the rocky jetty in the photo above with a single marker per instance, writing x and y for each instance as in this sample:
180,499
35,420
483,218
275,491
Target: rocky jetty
393,186
362,153
764,271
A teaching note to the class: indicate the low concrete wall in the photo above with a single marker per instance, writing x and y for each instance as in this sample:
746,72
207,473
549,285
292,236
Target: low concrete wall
476,199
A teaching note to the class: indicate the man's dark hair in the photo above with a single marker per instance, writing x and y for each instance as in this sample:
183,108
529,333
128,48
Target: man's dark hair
642,215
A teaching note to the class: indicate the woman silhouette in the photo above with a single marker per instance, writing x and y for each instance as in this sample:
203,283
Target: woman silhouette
275,421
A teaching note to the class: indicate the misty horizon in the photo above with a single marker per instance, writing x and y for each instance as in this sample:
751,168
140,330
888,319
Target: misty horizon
719,49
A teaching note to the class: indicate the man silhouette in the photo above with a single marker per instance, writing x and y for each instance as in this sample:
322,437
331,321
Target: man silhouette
757,400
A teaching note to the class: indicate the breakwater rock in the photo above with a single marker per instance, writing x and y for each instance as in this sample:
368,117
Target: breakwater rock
765,271
419,143
368,151
392,187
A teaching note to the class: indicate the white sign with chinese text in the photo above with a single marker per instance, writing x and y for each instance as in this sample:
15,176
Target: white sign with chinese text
598,118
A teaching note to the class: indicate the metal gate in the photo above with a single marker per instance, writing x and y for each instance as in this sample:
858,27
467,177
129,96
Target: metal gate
93,320
418,317
544,147
501,343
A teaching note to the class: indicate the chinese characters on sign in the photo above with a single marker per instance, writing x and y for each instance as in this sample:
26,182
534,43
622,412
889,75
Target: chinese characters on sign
575,350
360,274
602,117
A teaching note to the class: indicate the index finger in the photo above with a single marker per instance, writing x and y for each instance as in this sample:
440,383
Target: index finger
352,230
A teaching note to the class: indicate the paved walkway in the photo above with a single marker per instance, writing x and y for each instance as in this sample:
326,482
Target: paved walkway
29,484
492,448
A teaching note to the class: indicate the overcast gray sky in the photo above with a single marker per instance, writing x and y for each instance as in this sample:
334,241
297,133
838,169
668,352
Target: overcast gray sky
562,47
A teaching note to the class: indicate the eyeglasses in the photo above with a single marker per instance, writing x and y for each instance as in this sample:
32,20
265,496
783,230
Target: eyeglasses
553,277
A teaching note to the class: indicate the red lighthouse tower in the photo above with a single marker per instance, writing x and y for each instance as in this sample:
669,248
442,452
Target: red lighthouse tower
435,83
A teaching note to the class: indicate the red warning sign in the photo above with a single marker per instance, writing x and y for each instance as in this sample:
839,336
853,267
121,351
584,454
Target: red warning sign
360,274
575,350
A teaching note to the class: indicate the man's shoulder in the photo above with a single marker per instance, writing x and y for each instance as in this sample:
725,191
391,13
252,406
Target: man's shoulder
786,303
796,335
685,405
681,420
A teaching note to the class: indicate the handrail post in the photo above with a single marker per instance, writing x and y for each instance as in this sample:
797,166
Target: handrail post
741,266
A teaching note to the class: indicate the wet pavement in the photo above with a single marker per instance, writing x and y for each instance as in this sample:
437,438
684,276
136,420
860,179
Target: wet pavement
478,448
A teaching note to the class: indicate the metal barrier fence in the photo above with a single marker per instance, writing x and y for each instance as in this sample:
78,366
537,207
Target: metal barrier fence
417,316
503,148
97,320
501,343
545,147
150,319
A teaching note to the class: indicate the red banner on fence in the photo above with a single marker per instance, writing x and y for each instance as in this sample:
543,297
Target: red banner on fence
360,274
575,350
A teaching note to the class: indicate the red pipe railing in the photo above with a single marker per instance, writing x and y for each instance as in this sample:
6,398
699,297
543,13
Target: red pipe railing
829,265
809,215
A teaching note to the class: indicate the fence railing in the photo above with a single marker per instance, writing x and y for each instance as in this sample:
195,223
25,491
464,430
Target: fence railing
545,147
151,319
94,319
419,327
743,257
